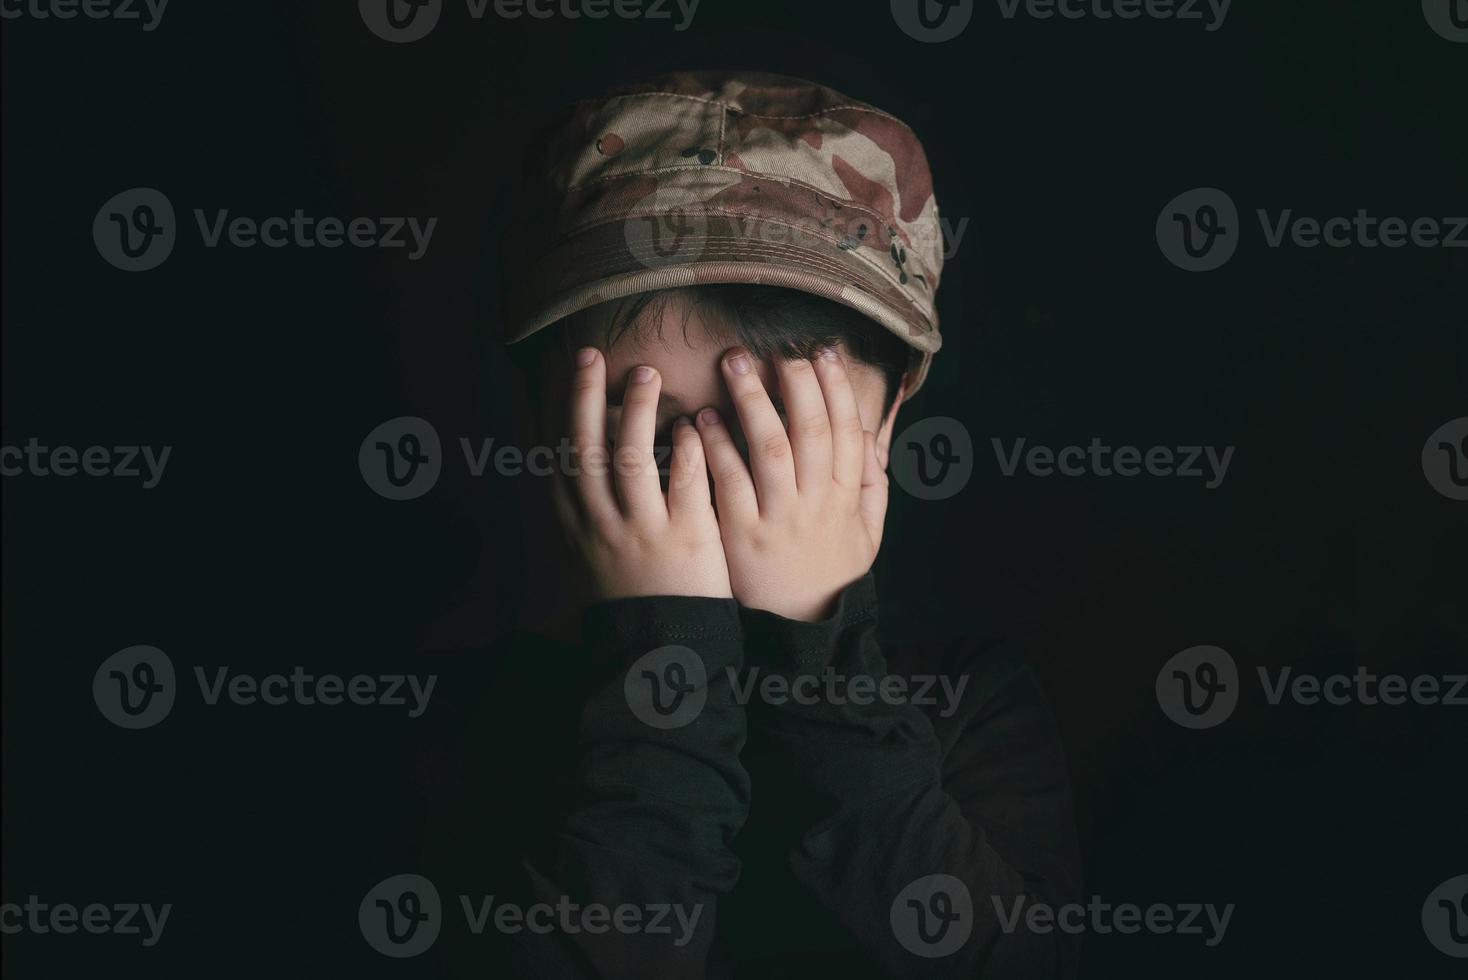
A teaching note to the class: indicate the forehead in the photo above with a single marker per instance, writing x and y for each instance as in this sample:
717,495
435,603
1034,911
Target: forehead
680,342
670,326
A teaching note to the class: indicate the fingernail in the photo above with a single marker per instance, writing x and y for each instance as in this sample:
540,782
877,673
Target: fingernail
585,356
708,417
827,353
681,421
739,364
643,375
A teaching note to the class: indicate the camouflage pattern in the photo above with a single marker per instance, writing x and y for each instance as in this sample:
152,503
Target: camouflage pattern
716,177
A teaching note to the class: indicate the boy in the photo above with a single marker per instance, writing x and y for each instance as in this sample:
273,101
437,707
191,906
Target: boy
740,752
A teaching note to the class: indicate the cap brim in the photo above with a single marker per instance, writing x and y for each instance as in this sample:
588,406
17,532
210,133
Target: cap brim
622,258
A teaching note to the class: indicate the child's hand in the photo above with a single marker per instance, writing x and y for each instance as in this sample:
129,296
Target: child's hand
635,540
809,521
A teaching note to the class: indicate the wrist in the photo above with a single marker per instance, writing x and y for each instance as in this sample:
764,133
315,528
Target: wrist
801,609
660,619
815,608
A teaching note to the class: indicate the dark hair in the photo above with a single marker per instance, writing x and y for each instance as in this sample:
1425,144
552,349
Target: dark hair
772,321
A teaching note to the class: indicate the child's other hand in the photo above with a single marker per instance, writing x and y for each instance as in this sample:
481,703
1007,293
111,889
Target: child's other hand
635,540
808,521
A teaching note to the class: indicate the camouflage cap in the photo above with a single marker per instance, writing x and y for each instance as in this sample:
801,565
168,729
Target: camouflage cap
729,177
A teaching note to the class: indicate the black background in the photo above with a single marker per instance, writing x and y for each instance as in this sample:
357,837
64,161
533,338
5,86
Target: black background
262,548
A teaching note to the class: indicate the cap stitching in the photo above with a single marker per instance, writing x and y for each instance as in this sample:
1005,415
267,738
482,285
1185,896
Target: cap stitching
926,271
741,245
723,128
737,244
736,247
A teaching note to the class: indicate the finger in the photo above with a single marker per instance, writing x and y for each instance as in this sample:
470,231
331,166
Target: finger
873,500
590,475
807,423
688,476
734,491
846,431
764,433
635,473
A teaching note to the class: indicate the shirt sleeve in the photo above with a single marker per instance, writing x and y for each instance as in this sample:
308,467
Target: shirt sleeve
928,849
627,877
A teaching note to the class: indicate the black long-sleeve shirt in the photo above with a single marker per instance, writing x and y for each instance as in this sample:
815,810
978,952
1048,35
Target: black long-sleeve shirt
784,829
